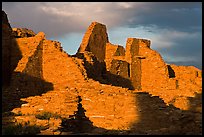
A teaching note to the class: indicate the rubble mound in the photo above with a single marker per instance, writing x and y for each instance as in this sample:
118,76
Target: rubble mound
22,32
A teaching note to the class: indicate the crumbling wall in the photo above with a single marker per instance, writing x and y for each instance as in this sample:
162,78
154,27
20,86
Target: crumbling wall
120,67
95,40
94,68
119,74
58,67
31,48
93,50
113,51
188,77
145,67
27,76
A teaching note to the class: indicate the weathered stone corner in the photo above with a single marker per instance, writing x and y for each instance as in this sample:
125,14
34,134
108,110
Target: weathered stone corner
41,35
95,40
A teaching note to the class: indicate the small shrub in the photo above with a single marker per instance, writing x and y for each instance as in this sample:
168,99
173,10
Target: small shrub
56,116
19,113
20,129
44,115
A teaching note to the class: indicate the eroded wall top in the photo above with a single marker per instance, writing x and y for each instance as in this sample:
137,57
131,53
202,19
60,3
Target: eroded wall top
95,40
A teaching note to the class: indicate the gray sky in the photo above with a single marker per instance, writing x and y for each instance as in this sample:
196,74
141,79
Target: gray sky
174,28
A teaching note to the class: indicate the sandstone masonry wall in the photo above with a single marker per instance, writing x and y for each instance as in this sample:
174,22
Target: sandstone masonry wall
188,77
113,51
154,69
132,53
144,62
27,76
120,67
58,67
95,40
31,62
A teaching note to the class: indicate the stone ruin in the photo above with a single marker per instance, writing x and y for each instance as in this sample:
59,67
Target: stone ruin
138,63
136,67
108,78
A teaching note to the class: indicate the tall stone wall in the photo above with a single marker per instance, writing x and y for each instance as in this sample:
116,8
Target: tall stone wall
154,72
95,40
131,55
10,51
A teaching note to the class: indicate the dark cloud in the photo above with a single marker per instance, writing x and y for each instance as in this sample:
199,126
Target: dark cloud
187,47
185,16
189,50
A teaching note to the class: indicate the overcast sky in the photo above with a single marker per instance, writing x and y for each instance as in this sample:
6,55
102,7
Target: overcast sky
174,28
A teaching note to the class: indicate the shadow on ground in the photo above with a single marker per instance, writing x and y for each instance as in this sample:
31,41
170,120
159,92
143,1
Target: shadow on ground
23,86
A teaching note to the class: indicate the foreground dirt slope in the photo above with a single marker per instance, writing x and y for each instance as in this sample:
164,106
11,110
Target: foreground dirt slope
53,93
